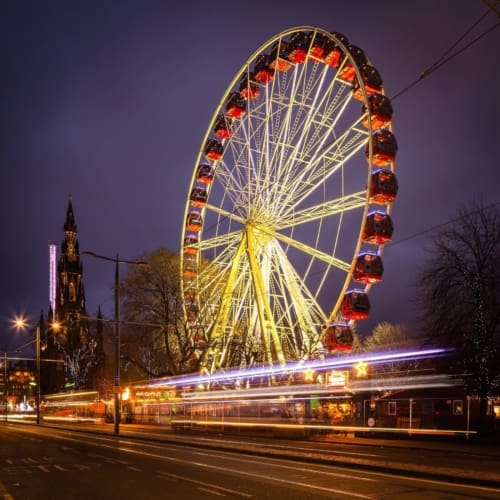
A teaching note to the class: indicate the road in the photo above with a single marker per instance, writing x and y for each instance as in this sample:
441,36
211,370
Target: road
47,463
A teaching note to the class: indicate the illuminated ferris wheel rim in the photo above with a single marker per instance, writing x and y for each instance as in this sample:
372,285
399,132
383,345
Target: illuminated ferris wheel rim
269,167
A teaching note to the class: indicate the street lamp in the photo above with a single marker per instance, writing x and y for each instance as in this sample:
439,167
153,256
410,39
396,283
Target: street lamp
21,323
117,383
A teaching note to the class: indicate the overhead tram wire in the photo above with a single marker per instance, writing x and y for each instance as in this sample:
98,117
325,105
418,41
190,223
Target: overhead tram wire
439,63
493,7
445,58
437,226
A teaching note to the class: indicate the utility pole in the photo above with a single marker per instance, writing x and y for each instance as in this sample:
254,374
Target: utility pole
117,381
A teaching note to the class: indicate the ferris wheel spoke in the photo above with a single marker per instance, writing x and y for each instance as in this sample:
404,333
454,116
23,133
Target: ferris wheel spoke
225,213
326,209
306,307
314,252
223,240
293,190
225,302
300,146
323,167
264,310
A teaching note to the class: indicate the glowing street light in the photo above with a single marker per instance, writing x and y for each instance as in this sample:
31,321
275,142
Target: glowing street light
117,388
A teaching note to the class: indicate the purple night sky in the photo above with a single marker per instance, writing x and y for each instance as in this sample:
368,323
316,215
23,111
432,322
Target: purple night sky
109,102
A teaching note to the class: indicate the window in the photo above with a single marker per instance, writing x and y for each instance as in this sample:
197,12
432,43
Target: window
391,409
458,407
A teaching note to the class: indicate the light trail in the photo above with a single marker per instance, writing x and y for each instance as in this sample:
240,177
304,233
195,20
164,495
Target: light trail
290,368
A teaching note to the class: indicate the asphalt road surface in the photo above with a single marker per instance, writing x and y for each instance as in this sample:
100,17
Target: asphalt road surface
47,463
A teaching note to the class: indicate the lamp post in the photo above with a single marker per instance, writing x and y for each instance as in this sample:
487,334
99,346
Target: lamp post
21,323
5,386
38,377
117,383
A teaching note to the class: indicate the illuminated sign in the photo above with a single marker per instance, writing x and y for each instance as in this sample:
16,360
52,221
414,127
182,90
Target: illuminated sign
152,394
52,277
336,379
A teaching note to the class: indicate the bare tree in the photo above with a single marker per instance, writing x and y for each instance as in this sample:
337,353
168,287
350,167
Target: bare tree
390,338
80,346
157,340
459,296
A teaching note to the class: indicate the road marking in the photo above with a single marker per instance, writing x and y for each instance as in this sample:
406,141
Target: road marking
204,484
171,479
306,485
106,459
29,469
212,492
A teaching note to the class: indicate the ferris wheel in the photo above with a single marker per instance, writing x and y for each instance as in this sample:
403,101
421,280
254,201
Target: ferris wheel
289,204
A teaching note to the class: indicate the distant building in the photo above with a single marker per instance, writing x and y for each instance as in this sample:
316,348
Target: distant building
20,384
3,379
69,350
70,294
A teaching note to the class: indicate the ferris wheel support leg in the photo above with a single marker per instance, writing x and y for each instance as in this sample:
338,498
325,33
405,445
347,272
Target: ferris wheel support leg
220,352
263,306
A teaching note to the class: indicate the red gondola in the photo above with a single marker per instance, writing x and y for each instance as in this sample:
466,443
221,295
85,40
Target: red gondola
190,260
383,186
188,282
355,305
191,305
194,221
199,340
380,110
278,57
213,149
338,337
297,47
189,272
222,127
189,241
262,71
199,197
205,174
333,54
317,44
368,268
347,73
372,80
236,105
385,147
378,228
248,88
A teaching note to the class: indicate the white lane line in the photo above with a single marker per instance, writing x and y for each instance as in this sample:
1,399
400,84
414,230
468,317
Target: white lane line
162,476
204,484
308,486
212,492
